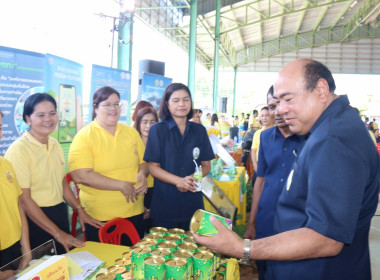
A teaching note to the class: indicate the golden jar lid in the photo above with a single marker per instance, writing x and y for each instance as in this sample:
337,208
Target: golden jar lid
117,269
154,260
161,252
158,230
127,275
203,255
105,276
182,254
127,254
141,249
188,233
176,231
196,221
167,245
121,261
189,239
187,246
203,248
148,242
176,262
172,237
154,236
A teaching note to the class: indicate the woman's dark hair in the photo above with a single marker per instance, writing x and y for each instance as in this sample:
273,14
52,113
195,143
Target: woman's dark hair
35,99
1,114
141,113
141,104
214,118
164,110
100,95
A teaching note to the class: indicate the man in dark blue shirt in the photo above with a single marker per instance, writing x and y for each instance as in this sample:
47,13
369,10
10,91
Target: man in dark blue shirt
324,212
276,157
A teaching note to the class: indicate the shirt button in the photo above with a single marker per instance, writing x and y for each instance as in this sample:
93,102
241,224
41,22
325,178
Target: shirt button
282,180
283,165
284,149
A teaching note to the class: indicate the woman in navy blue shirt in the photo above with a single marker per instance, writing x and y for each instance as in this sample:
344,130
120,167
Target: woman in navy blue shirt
169,152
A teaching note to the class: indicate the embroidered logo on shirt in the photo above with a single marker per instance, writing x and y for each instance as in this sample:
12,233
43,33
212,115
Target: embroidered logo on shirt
135,150
289,181
9,177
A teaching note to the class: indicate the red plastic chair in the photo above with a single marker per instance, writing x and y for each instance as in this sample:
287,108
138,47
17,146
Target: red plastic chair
74,217
113,230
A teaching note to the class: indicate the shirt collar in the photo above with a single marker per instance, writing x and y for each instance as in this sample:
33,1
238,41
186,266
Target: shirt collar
337,105
97,125
34,141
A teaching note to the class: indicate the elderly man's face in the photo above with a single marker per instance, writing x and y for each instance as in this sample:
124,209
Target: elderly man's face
301,108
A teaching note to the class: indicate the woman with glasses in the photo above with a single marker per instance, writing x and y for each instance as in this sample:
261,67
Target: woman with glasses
173,146
106,159
38,162
145,118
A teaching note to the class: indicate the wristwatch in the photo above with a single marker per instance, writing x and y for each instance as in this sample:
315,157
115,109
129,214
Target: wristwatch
247,251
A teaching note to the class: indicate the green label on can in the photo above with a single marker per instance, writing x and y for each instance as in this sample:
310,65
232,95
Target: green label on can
176,269
203,265
139,254
154,268
200,223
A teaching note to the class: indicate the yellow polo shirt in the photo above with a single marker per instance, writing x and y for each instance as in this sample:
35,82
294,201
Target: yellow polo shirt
10,229
117,157
256,141
256,125
38,168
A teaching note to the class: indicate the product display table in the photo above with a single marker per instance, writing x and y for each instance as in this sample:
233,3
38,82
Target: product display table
233,190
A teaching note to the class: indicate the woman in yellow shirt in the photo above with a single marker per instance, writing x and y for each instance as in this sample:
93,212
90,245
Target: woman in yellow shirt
106,160
145,118
39,165
14,235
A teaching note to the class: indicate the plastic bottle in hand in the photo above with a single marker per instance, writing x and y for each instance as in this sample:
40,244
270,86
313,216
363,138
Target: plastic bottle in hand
198,176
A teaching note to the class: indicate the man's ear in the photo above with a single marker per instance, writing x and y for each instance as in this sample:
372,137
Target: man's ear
323,89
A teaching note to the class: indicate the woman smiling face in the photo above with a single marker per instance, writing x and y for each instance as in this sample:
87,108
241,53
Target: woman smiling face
179,104
43,120
108,111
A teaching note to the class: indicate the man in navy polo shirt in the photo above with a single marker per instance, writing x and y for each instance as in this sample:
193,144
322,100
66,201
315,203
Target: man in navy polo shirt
324,212
276,157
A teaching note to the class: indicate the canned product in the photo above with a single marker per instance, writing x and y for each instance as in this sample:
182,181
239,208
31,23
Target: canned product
200,223
105,276
151,243
156,236
167,245
160,230
188,234
173,238
139,253
203,265
189,239
127,254
154,268
161,252
191,247
188,256
117,270
126,262
127,275
177,231
203,248
176,269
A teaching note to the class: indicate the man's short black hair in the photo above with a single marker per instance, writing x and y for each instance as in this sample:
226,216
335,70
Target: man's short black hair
314,70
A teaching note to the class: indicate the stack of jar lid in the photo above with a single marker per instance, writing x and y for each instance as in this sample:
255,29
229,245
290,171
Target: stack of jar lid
167,254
